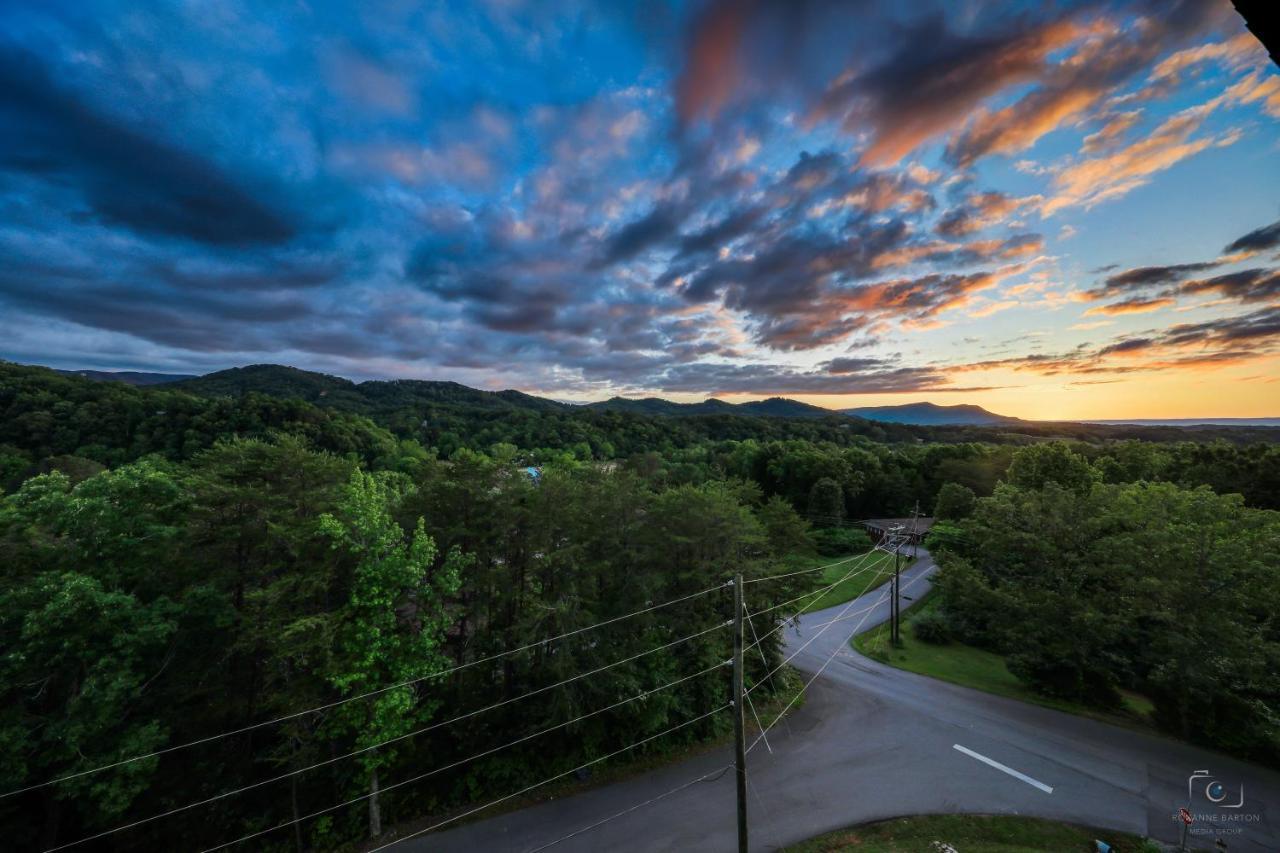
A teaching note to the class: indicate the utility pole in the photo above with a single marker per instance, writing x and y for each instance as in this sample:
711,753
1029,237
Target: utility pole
739,736
897,586
915,538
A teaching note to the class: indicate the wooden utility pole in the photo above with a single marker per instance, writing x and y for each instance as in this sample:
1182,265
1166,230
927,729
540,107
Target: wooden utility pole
897,585
739,697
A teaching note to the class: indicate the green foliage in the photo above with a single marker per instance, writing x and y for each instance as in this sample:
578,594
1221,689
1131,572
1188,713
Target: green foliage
180,561
826,502
1036,466
785,530
392,627
838,541
954,502
932,627
1169,589
77,658
946,536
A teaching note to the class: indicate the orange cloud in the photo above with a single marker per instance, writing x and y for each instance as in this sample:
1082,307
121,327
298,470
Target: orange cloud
1131,306
1097,179
712,68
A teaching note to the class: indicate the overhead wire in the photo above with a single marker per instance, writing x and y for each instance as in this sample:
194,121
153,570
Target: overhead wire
431,727
549,779
826,663
706,777
291,716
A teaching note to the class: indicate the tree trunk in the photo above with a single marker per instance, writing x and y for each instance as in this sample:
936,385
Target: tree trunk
52,811
297,819
375,812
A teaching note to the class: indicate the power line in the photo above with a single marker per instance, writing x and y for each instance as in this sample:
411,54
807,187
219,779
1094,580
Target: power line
224,795
706,777
421,776
819,634
371,693
866,613
526,790
820,592
803,571
432,772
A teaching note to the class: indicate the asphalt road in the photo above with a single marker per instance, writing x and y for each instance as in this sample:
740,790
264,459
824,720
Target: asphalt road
874,742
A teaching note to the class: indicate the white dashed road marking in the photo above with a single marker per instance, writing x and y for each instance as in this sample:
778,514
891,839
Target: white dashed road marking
997,765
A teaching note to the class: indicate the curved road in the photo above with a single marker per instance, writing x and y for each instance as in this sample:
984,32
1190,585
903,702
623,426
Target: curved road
873,742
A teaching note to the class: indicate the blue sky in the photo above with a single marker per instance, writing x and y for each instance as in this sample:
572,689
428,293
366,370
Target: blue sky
1052,209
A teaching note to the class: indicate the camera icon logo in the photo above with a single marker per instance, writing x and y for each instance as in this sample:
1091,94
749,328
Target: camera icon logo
1211,789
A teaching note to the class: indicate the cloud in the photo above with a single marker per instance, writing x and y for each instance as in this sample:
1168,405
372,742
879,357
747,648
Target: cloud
1131,306
1109,135
712,68
1109,55
368,85
1257,240
1212,344
128,177
935,78
1145,277
658,225
1250,285
839,376
1098,179
979,211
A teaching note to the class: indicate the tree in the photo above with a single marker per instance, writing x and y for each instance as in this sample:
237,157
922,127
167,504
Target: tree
391,628
954,502
1053,462
785,530
826,502
75,664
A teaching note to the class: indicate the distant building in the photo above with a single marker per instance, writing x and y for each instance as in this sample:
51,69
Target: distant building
879,528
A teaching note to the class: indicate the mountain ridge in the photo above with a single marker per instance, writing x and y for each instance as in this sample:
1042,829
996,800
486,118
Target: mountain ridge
385,394
932,414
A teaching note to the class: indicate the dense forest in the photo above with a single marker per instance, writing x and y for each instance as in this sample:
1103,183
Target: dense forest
220,555
1090,587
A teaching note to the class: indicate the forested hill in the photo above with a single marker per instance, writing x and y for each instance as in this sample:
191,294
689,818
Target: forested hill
45,414
774,407
930,413
289,382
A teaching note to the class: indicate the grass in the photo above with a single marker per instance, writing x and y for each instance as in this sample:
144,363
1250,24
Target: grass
971,834
980,669
876,569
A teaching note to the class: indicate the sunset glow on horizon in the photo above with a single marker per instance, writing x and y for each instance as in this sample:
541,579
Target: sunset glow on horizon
1065,210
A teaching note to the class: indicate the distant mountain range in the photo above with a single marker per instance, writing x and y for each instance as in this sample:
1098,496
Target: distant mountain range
129,377
929,414
774,407
385,395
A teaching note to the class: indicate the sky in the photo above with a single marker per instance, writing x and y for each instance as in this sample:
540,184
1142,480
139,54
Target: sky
1052,209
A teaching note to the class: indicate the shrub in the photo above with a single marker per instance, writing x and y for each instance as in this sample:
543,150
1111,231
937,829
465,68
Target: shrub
838,541
932,627
945,536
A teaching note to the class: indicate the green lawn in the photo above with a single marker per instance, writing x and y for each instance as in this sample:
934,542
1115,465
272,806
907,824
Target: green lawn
876,569
971,834
979,669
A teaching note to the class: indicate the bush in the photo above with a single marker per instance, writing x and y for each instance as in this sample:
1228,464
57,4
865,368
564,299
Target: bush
838,541
932,627
954,502
945,536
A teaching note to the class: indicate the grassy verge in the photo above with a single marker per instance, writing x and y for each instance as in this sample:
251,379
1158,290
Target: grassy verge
971,834
979,669
871,572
